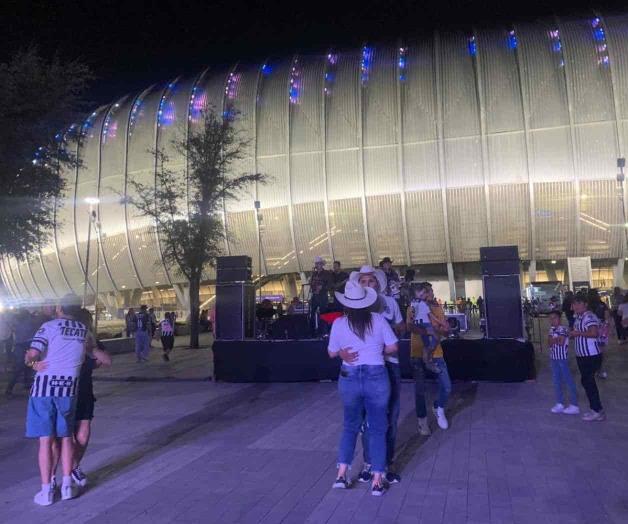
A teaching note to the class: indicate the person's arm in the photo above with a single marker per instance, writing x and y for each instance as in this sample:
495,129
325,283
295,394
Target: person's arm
591,331
391,348
390,339
102,357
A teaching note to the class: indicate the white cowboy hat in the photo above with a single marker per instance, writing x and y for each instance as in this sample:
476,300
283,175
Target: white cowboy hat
370,270
356,296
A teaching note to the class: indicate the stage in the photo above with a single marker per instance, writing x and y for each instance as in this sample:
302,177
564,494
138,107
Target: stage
498,360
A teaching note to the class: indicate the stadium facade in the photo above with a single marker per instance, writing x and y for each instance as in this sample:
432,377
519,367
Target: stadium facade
422,151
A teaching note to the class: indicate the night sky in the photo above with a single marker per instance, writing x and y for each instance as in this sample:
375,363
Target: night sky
130,44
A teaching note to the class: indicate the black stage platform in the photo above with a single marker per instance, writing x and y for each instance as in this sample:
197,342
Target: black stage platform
500,360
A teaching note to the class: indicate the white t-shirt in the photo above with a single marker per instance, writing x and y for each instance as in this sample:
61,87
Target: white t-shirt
371,349
61,343
392,314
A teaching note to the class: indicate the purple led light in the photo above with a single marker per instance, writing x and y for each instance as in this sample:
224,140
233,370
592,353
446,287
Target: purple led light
233,82
366,63
294,91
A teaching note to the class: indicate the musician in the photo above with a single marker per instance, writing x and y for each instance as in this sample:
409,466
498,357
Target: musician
339,279
321,281
392,278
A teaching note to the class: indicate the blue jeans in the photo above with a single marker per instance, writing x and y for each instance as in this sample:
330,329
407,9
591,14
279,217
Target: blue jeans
364,388
142,344
561,375
444,383
394,407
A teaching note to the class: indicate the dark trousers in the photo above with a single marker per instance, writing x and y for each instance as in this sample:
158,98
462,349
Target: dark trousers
588,367
20,369
621,332
167,341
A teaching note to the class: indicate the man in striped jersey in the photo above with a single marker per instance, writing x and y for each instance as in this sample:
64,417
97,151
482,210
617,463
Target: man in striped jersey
56,353
588,355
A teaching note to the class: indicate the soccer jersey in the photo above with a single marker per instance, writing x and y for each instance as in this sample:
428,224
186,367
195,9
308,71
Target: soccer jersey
559,351
165,328
61,344
586,347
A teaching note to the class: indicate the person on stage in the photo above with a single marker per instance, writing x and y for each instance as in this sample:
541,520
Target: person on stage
361,338
588,355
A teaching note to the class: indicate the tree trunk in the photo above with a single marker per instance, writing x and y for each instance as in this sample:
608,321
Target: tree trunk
195,285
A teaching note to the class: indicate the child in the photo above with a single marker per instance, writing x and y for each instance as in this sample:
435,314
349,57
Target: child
558,341
423,318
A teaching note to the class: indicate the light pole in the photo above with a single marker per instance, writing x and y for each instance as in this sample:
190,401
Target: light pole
91,201
621,164
259,245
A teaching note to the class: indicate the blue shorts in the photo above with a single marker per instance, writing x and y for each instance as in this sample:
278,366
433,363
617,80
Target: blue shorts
50,417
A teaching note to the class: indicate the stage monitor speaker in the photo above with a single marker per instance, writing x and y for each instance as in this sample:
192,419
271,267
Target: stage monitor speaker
235,311
233,269
500,260
502,306
291,327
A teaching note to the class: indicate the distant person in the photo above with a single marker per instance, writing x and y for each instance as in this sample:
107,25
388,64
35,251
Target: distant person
602,312
142,334
622,312
361,338
56,353
558,342
6,340
130,322
405,291
480,303
153,322
393,287
296,306
321,281
166,332
25,324
339,277
588,355
617,299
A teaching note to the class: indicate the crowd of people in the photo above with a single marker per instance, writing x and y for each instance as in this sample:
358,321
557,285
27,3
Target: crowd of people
143,326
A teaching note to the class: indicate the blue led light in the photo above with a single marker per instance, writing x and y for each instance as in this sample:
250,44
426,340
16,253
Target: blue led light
166,114
512,40
365,65
294,90
599,35
472,46
402,63
267,69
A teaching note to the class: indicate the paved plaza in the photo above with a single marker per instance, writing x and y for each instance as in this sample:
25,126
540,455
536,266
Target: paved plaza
171,446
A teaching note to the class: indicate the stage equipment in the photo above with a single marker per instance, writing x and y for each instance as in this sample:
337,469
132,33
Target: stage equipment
290,327
501,279
233,269
235,311
458,322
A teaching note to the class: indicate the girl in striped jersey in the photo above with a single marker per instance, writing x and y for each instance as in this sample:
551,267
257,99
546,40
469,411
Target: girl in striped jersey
588,356
166,330
558,340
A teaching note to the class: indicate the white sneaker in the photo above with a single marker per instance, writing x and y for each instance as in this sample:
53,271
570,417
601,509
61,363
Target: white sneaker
571,410
441,418
558,408
44,498
424,427
594,416
69,492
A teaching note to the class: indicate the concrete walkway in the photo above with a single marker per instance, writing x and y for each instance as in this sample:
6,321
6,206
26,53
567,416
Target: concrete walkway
174,447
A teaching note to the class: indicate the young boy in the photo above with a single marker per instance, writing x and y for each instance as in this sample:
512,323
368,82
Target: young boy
558,341
424,319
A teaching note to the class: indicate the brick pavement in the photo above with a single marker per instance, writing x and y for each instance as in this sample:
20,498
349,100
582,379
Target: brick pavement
174,447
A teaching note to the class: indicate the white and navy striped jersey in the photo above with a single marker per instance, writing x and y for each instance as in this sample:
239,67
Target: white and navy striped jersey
586,347
61,344
558,351
165,327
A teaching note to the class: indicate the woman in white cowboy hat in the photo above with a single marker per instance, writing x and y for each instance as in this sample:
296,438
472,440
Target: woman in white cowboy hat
389,309
361,338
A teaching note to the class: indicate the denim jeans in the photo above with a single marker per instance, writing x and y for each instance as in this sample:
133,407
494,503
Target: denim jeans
364,388
444,383
419,387
142,344
394,407
561,375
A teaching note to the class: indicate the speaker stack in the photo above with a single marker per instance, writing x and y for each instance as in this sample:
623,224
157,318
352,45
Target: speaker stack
501,278
235,298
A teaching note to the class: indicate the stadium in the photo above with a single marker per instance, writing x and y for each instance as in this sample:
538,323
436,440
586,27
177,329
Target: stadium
421,150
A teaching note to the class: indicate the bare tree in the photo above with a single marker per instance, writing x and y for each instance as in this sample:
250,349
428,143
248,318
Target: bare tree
40,97
187,207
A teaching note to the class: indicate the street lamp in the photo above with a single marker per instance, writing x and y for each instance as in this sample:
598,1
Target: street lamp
91,201
621,164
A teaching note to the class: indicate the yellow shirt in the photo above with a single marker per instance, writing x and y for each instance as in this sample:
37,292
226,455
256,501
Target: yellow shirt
416,342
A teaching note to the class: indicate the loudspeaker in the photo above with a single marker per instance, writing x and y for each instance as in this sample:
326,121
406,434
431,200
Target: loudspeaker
500,260
290,327
502,306
235,311
233,269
